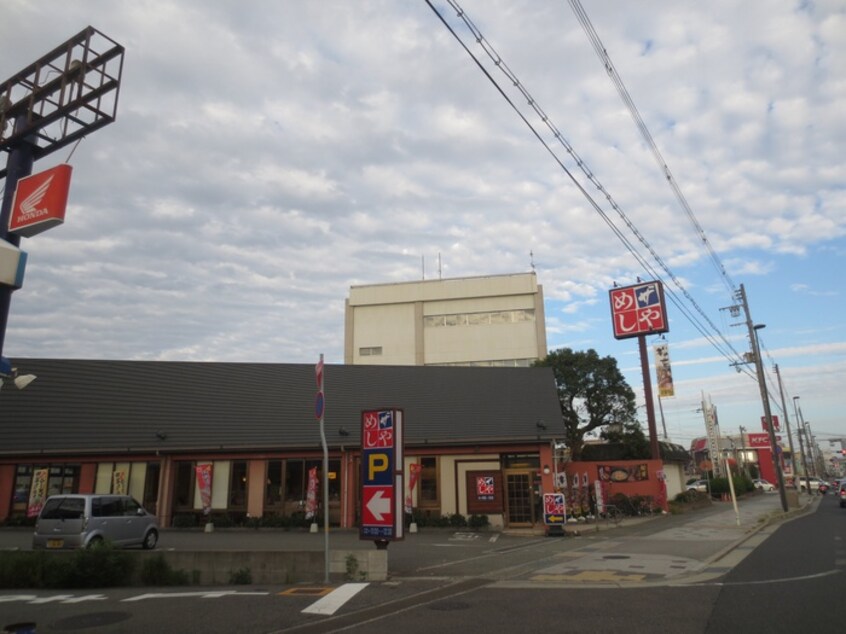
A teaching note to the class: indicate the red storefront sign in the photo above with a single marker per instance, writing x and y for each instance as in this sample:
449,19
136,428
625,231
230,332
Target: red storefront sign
638,310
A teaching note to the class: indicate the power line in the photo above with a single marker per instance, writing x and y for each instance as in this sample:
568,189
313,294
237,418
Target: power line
503,67
605,58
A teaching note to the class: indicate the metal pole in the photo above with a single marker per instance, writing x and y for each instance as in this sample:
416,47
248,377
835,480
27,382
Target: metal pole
813,449
787,427
800,425
655,450
733,496
663,422
322,406
18,165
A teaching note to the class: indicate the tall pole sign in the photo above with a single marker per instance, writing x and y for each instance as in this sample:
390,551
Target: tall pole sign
382,476
60,98
638,311
319,412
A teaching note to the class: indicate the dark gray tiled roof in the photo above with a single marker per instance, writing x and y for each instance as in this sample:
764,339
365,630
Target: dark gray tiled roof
104,406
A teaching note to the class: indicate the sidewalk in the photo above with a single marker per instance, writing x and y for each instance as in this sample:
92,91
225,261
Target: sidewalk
665,550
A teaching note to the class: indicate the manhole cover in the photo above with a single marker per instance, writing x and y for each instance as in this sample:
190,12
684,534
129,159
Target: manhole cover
94,619
616,557
446,606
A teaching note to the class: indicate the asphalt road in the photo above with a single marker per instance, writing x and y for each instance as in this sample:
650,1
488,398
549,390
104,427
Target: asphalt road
676,574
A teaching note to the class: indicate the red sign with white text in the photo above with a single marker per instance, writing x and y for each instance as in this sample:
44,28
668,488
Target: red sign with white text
40,201
638,310
760,440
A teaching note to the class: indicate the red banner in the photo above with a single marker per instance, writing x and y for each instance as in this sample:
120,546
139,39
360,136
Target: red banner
311,495
204,483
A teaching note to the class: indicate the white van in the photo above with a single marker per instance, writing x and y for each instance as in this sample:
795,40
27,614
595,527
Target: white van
80,521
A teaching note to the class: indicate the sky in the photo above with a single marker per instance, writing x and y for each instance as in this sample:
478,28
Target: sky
268,155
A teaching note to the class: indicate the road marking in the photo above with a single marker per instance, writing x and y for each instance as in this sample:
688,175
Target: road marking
590,576
336,599
494,538
311,592
183,595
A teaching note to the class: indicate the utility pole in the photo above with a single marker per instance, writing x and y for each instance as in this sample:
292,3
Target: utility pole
801,425
765,398
787,427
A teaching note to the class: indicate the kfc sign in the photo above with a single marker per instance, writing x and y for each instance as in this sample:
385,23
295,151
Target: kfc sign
638,310
40,201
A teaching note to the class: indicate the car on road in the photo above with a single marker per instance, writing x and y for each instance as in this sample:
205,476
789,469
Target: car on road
803,483
841,493
763,485
697,485
81,521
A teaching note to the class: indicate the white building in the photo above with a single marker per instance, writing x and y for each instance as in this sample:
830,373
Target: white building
495,320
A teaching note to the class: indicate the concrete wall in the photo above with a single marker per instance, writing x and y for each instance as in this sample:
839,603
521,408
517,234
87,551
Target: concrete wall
277,567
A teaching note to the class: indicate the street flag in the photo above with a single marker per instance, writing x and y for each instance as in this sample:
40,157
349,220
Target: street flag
664,371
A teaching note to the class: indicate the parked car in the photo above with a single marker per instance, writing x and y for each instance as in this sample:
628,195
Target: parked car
697,485
80,521
763,485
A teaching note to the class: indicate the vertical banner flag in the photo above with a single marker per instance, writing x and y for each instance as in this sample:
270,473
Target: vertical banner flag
119,483
600,496
663,371
311,494
413,475
37,492
204,483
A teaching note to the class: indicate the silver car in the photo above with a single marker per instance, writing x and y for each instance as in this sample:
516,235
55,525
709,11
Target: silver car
80,521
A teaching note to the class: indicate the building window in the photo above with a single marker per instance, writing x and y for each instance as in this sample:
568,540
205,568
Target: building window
183,488
429,491
238,485
60,479
370,351
273,485
296,482
480,319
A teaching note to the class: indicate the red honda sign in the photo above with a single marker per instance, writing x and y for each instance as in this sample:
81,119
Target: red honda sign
40,201
638,310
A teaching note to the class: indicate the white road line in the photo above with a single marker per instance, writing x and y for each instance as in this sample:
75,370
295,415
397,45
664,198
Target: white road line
333,601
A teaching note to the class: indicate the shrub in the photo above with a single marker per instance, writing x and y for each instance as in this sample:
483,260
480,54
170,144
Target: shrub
101,566
98,567
241,577
457,520
155,571
184,520
478,521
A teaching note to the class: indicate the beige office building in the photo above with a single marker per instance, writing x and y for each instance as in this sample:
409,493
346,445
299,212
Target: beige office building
495,320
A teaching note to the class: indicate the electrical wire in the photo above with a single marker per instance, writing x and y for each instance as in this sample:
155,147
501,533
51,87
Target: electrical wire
719,342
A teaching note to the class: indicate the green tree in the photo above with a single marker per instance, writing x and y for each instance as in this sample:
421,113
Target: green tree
592,391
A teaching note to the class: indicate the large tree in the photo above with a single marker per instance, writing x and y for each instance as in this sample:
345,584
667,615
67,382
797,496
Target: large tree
592,391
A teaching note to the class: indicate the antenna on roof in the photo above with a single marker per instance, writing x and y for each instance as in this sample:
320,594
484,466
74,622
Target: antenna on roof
423,267
532,261
440,272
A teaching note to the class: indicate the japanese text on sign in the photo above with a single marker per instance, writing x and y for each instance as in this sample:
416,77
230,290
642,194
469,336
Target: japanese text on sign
638,310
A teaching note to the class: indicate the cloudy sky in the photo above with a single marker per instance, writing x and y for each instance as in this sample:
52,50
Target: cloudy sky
268,155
